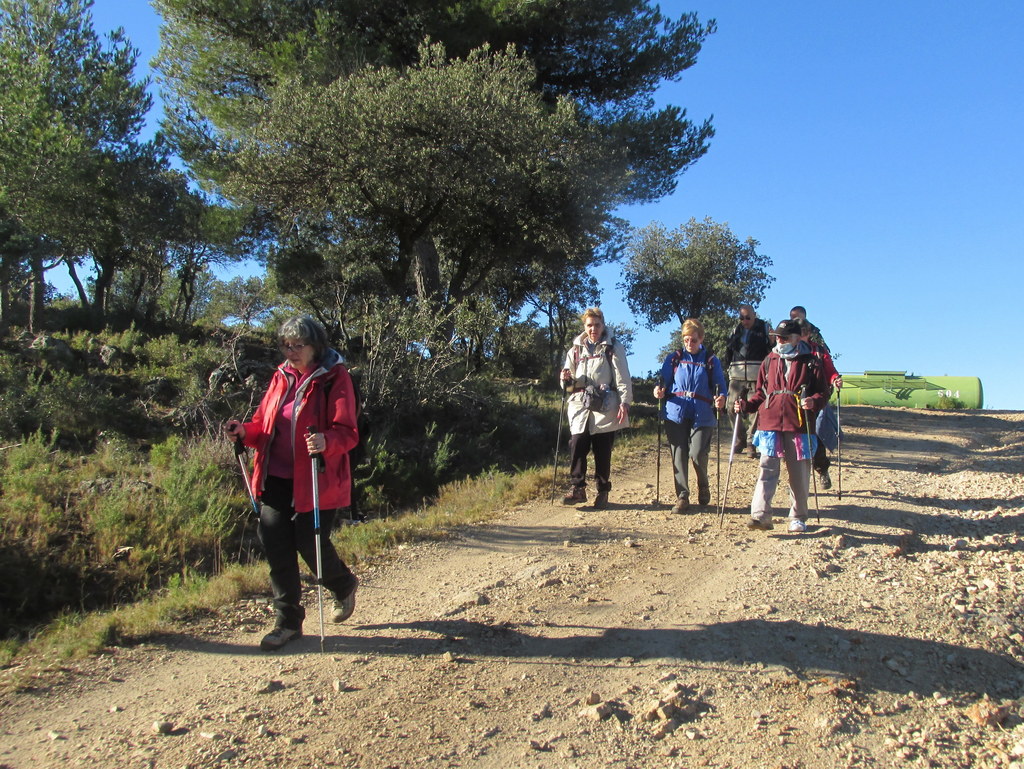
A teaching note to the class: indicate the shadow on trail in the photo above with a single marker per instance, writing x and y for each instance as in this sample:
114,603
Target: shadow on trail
855,519
878,661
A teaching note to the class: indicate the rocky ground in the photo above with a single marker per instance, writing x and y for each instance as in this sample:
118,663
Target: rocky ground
891,632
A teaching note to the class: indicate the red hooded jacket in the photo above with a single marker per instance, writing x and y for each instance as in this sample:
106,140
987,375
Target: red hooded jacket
325,401
777,390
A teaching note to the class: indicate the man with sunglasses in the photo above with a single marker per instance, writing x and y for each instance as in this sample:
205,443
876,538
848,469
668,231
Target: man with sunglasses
746,348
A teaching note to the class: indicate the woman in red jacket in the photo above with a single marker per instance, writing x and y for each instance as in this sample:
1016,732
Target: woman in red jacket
311,389
790,390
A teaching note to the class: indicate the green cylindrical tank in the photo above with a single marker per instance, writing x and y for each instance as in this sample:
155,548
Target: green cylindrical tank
897,388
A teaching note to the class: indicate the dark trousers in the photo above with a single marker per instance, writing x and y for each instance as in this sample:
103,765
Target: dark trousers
821,461
582,444
688,444
285,536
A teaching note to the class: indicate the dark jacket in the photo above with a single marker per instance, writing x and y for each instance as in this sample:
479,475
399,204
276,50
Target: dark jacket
778,388
756,349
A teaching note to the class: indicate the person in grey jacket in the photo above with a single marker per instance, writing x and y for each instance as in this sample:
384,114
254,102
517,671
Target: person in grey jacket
596,375
749,344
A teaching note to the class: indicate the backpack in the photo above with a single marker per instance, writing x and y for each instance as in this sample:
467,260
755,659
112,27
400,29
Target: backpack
593,398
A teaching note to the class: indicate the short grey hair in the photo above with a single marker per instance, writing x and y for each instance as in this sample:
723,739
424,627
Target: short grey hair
309,330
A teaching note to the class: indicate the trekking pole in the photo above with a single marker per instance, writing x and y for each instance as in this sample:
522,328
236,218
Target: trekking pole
732,453
241,455
317,467
810,453
839,444
558,441
718,449
657,472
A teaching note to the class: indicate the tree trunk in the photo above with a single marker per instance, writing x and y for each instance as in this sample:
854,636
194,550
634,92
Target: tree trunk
83,297
36,303
104,279
427,270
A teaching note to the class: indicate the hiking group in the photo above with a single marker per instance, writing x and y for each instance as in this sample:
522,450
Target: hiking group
306,427
779,383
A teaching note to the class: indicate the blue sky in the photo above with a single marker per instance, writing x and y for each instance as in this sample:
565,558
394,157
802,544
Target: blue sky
876,152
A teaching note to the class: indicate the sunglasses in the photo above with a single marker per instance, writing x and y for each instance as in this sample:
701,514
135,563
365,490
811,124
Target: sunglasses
746,317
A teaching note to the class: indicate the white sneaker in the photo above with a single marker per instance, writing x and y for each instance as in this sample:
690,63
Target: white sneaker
796,525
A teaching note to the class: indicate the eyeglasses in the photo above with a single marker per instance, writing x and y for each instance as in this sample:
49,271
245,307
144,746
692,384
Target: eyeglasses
285,347
746,317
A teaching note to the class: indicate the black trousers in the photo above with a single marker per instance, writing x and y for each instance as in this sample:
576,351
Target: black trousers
285,536
582,444
820,460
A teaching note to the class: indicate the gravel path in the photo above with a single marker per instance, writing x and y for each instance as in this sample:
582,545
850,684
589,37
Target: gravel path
891,632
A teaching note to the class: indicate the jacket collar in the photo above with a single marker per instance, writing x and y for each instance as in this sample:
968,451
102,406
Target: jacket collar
331,359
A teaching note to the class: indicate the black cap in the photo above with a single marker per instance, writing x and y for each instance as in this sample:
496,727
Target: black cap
787,327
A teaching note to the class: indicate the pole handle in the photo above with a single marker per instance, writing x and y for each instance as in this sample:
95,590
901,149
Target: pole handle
318,457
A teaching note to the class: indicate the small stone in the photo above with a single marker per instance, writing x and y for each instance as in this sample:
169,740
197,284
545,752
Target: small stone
986,713
592,699
55,735
597,712
664,729
163,727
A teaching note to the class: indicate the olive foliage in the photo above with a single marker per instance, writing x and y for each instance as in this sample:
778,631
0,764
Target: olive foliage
698,270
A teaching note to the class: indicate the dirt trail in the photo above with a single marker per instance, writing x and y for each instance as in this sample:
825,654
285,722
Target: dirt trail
891,632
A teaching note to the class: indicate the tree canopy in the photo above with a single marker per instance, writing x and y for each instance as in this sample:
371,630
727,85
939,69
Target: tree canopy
699,269
464,149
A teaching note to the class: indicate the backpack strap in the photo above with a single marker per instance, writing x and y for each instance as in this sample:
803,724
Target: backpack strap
708,365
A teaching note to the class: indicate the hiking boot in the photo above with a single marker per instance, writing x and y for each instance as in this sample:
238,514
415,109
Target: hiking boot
704,496
751,452
601,500
343,607
681,506
759,525
576,496
278,637
826,479
797,526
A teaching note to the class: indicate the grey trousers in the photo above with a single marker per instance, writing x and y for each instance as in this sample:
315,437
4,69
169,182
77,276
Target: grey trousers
748,422
688,443
799,471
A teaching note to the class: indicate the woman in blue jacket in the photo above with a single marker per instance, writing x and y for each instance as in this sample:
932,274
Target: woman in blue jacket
692,383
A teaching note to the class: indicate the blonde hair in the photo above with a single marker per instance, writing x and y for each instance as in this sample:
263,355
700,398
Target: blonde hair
692,327
592,312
